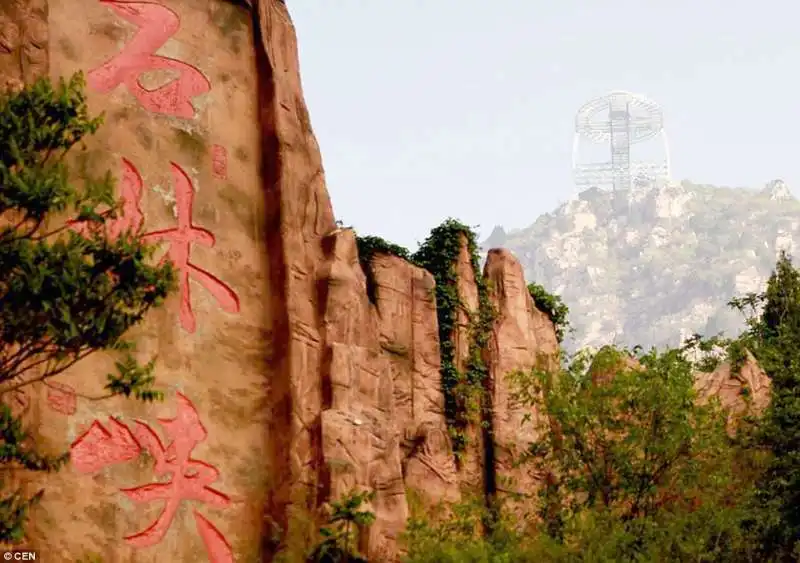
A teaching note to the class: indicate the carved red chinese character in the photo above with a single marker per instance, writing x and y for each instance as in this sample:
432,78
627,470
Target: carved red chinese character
156,25
181,239
219,161
98,447
190,479
61,398
130,217
218,548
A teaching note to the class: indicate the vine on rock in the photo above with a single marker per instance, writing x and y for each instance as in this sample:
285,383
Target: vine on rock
552,306
438,254
463,392
370,246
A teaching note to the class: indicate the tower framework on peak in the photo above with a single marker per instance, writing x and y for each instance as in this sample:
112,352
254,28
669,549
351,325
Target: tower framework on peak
619,120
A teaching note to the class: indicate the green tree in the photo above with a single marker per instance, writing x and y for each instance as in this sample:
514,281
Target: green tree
452,534
63,296
551,305
344,523
774,336
626,454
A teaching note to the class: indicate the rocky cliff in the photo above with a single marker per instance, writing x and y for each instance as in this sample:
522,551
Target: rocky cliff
286,385
657,263
287,382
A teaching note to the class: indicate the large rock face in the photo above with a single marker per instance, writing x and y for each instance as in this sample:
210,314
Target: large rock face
360,442
409,338
522,338
177,81
285,386
655,264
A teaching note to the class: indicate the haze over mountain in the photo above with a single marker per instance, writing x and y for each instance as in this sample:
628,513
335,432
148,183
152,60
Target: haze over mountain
432,109
655,264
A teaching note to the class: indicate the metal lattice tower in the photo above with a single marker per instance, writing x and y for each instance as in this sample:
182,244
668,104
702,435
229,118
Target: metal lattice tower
619,120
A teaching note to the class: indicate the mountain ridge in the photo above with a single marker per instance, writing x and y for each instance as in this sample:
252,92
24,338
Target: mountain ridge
657,263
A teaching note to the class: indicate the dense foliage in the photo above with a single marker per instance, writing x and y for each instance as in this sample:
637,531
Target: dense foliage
370,246
774,336
551,305
463,389
634,468
63,296
341,534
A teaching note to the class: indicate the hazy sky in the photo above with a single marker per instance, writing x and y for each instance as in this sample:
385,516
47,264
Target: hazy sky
426,109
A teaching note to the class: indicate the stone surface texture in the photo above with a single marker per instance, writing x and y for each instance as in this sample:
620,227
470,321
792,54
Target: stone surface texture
743,391
286,386
655,264
522,338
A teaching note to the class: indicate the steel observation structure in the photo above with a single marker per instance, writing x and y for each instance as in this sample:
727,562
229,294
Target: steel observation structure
619,120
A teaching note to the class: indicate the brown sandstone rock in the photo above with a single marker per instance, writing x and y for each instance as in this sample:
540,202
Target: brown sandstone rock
299,215
23,40
744,392
242,368
472,460
522,337
190,156
360,440
409,337
281,377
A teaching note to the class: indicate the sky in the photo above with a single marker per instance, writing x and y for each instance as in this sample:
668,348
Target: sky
428,109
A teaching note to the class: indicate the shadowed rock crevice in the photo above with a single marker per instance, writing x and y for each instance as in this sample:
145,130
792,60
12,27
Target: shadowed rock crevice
278,389
299,213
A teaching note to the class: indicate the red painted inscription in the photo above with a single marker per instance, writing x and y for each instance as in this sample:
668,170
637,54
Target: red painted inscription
188,478
61,398
156,25
218,548
130,217
181,239
219,162
98,447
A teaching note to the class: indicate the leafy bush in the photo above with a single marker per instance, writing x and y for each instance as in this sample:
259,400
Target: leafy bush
370,246
453,535
463,392
552,306
341,538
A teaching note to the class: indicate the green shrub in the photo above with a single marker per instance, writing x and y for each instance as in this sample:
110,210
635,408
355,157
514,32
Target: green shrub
552,306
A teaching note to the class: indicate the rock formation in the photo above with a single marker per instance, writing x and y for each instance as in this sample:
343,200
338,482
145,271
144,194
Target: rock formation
282,378
522,338
406,312
661,265
742,389
286,387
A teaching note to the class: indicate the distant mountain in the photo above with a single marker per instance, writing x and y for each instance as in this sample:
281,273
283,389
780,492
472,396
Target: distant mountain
654,264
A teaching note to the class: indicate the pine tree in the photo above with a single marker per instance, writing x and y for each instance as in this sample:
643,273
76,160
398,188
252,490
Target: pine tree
776,336
63,296
345,521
